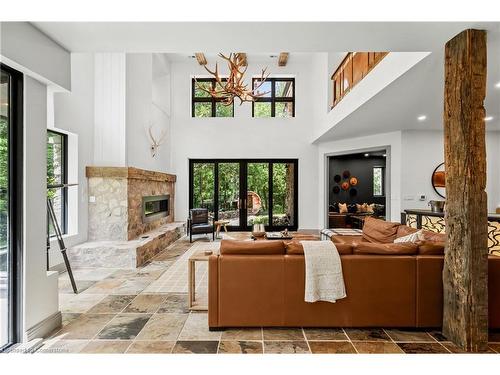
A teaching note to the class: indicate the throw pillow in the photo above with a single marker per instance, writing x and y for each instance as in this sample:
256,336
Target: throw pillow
360,208
343,208
351,208
412,237
379,231
370,208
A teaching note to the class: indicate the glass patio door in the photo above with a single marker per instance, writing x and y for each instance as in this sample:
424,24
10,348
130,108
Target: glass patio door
10,159
246,192
216,185
228,189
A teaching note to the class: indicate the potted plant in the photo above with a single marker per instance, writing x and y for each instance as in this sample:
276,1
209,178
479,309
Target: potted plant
258,229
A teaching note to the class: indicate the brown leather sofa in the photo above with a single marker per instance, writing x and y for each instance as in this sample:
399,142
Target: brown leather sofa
261,283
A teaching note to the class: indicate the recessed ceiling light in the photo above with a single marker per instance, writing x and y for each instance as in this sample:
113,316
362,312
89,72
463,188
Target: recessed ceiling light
366,155
497,85
422,118
488,118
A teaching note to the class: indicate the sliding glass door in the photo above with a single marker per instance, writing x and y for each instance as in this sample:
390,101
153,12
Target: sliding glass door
10,193
228,193
244,192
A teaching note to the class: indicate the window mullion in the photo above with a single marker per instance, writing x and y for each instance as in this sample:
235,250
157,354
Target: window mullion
273,98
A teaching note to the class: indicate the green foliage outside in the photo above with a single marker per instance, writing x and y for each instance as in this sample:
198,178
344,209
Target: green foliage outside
4,181
257,182
377,181
54,176
203,186
229,186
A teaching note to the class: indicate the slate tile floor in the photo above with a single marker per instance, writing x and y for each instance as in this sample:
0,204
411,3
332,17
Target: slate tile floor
116,313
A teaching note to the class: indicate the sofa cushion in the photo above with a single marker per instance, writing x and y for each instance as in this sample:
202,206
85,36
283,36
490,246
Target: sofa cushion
263,247
202,228
405,230
379,231
430,236
296,248
430,248
339,239
405,248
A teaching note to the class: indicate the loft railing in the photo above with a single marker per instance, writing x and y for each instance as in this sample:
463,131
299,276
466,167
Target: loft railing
352,70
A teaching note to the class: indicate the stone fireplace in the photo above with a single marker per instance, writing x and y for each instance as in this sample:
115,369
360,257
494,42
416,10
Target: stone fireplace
119,198
131,217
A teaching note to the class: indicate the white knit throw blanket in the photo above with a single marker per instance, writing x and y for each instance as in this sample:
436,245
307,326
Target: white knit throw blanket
324,280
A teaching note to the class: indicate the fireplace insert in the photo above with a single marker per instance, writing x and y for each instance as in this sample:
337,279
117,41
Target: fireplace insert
155,207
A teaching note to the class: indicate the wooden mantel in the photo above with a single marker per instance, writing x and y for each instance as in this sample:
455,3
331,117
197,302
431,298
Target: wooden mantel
130,173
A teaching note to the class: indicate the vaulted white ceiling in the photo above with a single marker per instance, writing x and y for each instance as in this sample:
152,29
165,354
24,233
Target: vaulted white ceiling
417,92
254,37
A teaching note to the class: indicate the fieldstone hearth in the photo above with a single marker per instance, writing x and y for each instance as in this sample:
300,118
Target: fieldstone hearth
125,254
118,233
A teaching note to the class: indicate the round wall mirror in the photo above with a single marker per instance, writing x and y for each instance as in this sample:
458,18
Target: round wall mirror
438,180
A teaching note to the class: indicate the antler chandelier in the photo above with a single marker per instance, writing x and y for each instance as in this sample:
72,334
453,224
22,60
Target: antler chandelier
227,89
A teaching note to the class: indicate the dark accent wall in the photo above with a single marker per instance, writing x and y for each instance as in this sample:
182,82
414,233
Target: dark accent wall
360,167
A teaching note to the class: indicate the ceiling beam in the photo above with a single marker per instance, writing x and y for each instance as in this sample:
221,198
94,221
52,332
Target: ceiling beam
242,57
283,59
200,57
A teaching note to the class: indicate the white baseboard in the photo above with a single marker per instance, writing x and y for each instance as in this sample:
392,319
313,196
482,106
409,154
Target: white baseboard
45,327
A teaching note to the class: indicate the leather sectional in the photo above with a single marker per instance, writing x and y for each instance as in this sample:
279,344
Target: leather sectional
261,283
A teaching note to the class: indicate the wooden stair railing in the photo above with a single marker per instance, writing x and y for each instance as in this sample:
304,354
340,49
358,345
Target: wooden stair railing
352,70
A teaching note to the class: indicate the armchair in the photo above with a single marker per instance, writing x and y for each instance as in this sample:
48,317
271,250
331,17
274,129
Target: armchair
200,222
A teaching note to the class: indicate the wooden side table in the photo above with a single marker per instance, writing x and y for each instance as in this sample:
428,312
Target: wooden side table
196,257
218,226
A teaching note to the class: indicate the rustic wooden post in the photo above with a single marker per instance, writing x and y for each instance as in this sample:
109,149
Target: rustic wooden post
465,275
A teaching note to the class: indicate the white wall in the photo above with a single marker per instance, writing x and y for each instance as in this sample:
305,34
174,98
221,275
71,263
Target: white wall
74,112
244,136
40,286
109,109
423,151
148,104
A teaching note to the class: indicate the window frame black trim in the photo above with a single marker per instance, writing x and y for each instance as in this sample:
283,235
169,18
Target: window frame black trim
64,191
211,100
16,205
273,99
243,187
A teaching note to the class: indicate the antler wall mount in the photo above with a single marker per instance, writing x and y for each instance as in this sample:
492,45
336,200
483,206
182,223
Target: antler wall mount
227,89
155,142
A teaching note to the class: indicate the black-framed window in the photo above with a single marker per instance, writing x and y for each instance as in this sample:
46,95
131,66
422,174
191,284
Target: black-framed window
378,181
57,172
11,205
203,104
279,100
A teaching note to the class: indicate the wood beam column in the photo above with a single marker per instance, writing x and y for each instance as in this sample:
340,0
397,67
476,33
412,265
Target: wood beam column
465,274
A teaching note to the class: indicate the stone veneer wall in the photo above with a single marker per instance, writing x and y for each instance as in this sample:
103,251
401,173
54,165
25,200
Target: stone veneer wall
116,213
108,215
